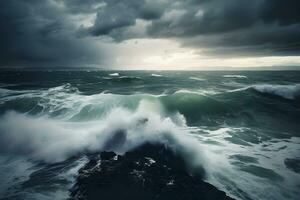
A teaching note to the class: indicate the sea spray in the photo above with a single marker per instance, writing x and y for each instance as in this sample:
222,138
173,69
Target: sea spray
51,141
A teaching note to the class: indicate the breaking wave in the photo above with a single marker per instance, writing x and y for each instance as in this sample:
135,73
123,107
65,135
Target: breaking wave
120,130
285,91
69,104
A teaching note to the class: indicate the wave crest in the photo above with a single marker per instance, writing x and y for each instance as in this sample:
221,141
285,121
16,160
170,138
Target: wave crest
284,91
234,76
120,131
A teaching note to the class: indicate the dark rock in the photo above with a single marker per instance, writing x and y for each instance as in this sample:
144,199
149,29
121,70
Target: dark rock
148,172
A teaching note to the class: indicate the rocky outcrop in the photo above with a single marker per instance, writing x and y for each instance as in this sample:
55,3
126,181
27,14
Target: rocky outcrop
148,172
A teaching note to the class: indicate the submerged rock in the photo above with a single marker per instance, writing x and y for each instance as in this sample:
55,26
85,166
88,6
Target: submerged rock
148,172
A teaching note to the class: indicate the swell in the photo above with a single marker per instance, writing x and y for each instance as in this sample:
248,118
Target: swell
61,122
67,103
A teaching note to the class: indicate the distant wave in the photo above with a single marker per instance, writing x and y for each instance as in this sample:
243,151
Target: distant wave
235,76
290,92
117,78
156,75
197,79
195,92
114,74
130,77
284,91
182,91
68,103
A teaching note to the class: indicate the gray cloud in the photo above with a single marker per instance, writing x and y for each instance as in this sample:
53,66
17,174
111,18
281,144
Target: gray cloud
35,32
117,14
234,26
50,32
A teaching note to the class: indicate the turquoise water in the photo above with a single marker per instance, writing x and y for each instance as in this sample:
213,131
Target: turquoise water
241,127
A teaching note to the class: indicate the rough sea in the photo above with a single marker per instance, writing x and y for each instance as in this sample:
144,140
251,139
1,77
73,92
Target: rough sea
91,134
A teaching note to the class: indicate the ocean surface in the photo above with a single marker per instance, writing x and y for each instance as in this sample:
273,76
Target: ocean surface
240,129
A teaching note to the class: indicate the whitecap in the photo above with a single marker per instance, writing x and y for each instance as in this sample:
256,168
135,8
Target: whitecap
156,75
285,91
197,78
234,76
114,74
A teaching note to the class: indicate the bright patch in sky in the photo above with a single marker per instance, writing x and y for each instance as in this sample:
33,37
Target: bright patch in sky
158,54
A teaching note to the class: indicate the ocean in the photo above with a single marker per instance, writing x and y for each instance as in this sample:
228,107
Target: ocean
88,134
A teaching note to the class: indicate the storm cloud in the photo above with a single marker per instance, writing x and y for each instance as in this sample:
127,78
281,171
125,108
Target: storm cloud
260,27
35,32
64,32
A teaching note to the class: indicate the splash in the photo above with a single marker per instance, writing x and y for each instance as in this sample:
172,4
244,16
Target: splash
120,130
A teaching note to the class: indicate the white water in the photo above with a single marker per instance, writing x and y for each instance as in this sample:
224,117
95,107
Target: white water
290,92
285,91
197,78
156,75
42,138
234,76
114,74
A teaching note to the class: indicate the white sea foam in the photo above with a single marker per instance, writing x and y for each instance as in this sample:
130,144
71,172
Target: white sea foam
156,75
197,78
285,91
121,130
234,76
196,92
114,74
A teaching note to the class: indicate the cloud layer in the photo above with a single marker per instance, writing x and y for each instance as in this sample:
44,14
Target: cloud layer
65,32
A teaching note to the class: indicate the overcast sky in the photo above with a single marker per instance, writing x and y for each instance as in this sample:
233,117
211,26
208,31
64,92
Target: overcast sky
149,34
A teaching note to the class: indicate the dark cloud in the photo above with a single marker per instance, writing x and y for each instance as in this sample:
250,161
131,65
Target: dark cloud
259,40
116,14
80,6
207,18
35,32
283,12
233,26
51,31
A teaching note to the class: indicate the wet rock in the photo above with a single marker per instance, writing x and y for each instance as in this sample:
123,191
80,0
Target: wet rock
148,172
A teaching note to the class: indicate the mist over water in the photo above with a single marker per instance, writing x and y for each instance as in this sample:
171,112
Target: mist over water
240,128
